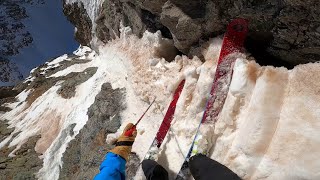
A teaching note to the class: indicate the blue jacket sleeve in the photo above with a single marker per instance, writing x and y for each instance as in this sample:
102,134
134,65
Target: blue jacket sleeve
112,168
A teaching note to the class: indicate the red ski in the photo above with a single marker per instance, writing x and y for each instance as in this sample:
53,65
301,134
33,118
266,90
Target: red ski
166,123
232,43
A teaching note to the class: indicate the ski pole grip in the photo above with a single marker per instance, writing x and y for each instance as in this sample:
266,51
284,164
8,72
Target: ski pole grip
130,131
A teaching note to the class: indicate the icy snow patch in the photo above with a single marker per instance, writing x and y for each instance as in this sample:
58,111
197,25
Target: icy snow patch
82,51
268,126
57,60
123,63
264,130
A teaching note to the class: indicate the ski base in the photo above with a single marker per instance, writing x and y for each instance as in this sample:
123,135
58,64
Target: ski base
165,125
232,43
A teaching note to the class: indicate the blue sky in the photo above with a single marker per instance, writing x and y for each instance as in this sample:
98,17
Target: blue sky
53,35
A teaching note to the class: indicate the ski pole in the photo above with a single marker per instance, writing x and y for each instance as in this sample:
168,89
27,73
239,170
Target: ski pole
130,131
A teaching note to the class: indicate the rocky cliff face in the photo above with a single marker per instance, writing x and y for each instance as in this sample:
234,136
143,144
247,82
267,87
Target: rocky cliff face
285,32
84,154
27,161
79,17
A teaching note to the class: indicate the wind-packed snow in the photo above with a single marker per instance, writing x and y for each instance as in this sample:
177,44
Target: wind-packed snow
270,124
268,128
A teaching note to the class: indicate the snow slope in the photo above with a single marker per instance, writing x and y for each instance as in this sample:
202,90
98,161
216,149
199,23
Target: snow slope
275,119
268,128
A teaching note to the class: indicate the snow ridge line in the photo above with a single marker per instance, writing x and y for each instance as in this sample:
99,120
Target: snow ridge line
274,130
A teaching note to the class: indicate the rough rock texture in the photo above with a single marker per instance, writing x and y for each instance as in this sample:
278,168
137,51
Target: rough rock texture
9,72
41,84
68,87
26,162
285,32
40,81
114,12
77,15
7,94
85,153
4,130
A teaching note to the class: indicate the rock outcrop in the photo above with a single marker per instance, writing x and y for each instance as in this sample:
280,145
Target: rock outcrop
78,16
87,151
285,31
7,95
26,162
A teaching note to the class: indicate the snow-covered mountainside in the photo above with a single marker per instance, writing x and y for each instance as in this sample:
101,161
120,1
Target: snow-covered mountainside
32,31
67,108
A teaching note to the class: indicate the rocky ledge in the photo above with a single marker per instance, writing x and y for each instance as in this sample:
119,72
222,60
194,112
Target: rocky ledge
281,32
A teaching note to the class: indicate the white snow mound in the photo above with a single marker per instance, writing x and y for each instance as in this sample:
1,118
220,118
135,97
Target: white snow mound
269,127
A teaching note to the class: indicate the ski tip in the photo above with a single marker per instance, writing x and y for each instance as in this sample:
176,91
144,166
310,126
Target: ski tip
238,26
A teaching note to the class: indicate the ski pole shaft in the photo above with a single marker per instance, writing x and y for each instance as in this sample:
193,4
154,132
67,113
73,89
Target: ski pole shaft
144,112
131,130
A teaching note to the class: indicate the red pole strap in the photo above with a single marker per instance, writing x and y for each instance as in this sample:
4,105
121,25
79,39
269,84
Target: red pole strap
130,131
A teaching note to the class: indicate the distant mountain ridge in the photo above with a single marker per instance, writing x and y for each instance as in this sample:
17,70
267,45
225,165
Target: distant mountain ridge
9,72
27,39
14,36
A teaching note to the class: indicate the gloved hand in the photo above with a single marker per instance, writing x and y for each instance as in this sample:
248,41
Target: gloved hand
124,143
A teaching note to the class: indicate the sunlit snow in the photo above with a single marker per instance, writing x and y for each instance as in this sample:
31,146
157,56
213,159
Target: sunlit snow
269,127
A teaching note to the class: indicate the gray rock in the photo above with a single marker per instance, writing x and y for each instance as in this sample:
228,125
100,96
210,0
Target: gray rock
85,153
186,31
108,22
77,15
43,82
132,166
68,87
6,92
3,166
4,131
7,95
114,12
19,162
23,176
281,32
24,165
154,6
3,159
